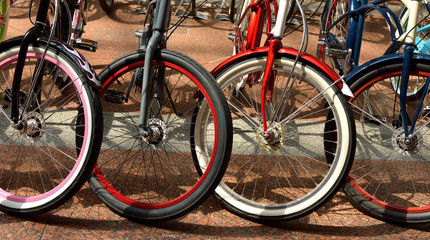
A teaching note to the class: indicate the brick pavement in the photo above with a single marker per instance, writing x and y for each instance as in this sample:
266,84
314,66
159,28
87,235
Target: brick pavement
85,216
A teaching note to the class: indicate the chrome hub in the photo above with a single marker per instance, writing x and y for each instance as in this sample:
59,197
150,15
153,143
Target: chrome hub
273,139
409,145
157,133
33,126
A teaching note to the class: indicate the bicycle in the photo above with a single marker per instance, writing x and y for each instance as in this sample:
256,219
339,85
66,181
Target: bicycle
4,18
415,88
388,178
336,38
250,18
165,116
281,166
52,128
72,20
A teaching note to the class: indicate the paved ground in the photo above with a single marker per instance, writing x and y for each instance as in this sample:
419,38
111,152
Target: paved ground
85,216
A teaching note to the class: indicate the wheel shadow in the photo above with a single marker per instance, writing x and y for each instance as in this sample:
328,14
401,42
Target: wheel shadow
85,214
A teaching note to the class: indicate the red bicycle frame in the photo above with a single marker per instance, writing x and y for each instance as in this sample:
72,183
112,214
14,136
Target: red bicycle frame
259,14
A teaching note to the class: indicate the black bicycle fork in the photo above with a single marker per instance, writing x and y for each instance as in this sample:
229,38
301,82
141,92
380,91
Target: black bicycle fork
32,34
161,19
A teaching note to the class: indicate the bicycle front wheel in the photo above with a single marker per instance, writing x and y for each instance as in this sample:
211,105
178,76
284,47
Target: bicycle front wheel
311,142
155,180
389,179
47,160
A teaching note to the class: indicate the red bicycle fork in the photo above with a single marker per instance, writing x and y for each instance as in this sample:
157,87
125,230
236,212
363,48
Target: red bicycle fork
269,79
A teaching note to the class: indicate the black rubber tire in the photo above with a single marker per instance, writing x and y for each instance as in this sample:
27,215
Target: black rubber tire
388,187
107,5
108,187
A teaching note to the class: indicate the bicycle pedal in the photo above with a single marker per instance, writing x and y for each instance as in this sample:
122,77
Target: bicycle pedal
231,36
86,44
138,33
113,96
337,50
426,110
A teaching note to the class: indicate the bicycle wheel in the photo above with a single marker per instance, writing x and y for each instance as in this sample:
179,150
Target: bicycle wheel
157,180
46,161
107,5
296,170
389,179
415,86
336,37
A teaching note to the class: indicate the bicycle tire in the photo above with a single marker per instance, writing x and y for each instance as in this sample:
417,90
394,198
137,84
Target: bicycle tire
272,181
107,5
388,179
46,162
171,187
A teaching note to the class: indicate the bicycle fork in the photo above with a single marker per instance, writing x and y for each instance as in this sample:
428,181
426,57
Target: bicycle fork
268,82
16,84
148,132
409,131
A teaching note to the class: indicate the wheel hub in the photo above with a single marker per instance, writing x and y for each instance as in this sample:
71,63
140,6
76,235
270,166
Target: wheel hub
33,126
158,133
271,140
411,145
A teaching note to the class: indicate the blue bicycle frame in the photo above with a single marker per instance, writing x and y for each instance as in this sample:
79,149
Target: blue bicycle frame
357,15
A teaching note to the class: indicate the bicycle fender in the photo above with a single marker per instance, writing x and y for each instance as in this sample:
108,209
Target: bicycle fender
85,66
383,61
308,59
75,56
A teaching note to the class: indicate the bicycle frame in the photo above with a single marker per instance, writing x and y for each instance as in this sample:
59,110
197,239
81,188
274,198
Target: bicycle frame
259,11
354,39
259,15
356,25
5,7
76,29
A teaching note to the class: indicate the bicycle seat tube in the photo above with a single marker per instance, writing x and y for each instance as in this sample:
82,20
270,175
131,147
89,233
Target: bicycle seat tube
161,17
